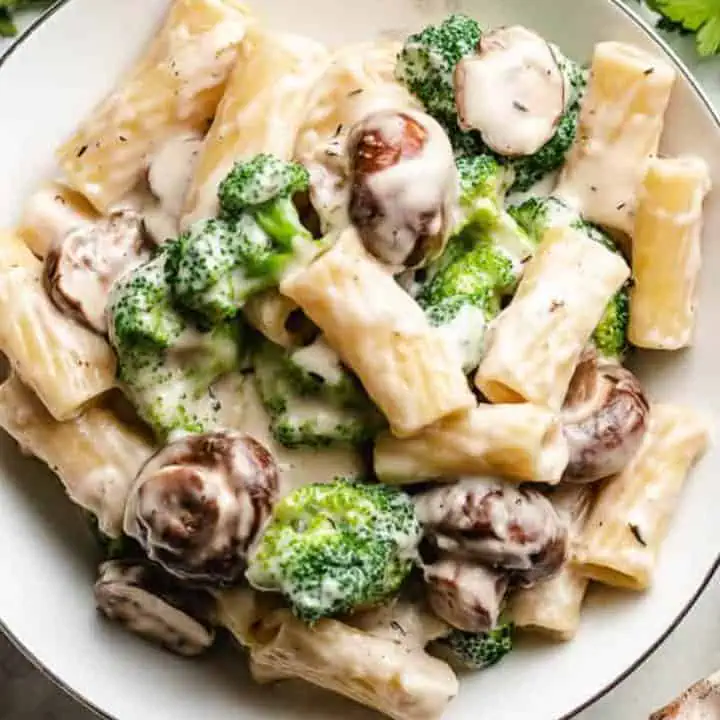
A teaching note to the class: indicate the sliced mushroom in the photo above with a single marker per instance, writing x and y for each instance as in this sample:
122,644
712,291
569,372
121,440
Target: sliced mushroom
512,91
464,594
604,419
169,173
200,502
154,605
81,268
403,186
511,528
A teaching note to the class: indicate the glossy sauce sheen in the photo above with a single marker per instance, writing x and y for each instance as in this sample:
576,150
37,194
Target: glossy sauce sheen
404,183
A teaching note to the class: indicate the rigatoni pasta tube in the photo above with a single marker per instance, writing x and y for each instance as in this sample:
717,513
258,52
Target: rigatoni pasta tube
273,314
403,683
621,541
174,88
666,253
553,607
50,214
95,455
536,342
522,441
65,364
413,375
261,111
621,121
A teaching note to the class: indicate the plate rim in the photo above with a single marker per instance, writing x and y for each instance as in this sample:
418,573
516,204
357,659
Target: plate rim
642,24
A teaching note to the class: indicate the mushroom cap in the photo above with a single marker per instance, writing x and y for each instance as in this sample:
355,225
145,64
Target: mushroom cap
515,529
604,419
403,185
512,91
154,605
200,502
81,267
465,595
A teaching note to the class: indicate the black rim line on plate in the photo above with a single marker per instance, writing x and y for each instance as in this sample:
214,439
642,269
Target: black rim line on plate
700,93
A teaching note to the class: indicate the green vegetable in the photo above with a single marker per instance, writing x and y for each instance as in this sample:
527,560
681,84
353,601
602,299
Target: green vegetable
167,364
475,651
9,7
536,216
483,182
310,409
426,64
336,548
698,16
217,264
533,168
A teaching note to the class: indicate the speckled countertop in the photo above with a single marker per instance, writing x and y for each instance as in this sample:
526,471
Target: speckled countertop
692,652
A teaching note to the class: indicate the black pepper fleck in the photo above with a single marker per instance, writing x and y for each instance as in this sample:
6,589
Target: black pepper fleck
81,151
635,530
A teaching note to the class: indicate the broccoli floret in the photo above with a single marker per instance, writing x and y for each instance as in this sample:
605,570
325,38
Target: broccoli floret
336,548
465,296
165,363
475,651
536,216
305,410
217,264
141,309
263,187
483,182
533,168
9,7
426,64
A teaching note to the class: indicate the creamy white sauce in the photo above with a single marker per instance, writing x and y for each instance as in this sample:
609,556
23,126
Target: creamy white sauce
326,157
296,467
513,92
466,333
201,62
49,216
320,359
169,175
424,185
617,137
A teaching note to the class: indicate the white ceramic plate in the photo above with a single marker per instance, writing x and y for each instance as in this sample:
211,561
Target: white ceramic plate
47,84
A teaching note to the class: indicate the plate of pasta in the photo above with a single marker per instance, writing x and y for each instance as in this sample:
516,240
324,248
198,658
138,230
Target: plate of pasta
371,348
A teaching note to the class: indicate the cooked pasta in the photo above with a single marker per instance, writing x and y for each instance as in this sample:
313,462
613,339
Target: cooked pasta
174,88
304,268
535,345
261,111
620,125
51,213
95,455
65,364
553,607
666,253
523,442
410,372
623,535
404,684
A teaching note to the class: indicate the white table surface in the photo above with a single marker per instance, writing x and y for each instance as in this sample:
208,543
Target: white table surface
691,652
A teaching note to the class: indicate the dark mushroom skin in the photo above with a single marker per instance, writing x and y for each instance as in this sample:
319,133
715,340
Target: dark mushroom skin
200,502
604,419
81,267
511,528
465,595
403,184
154,605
